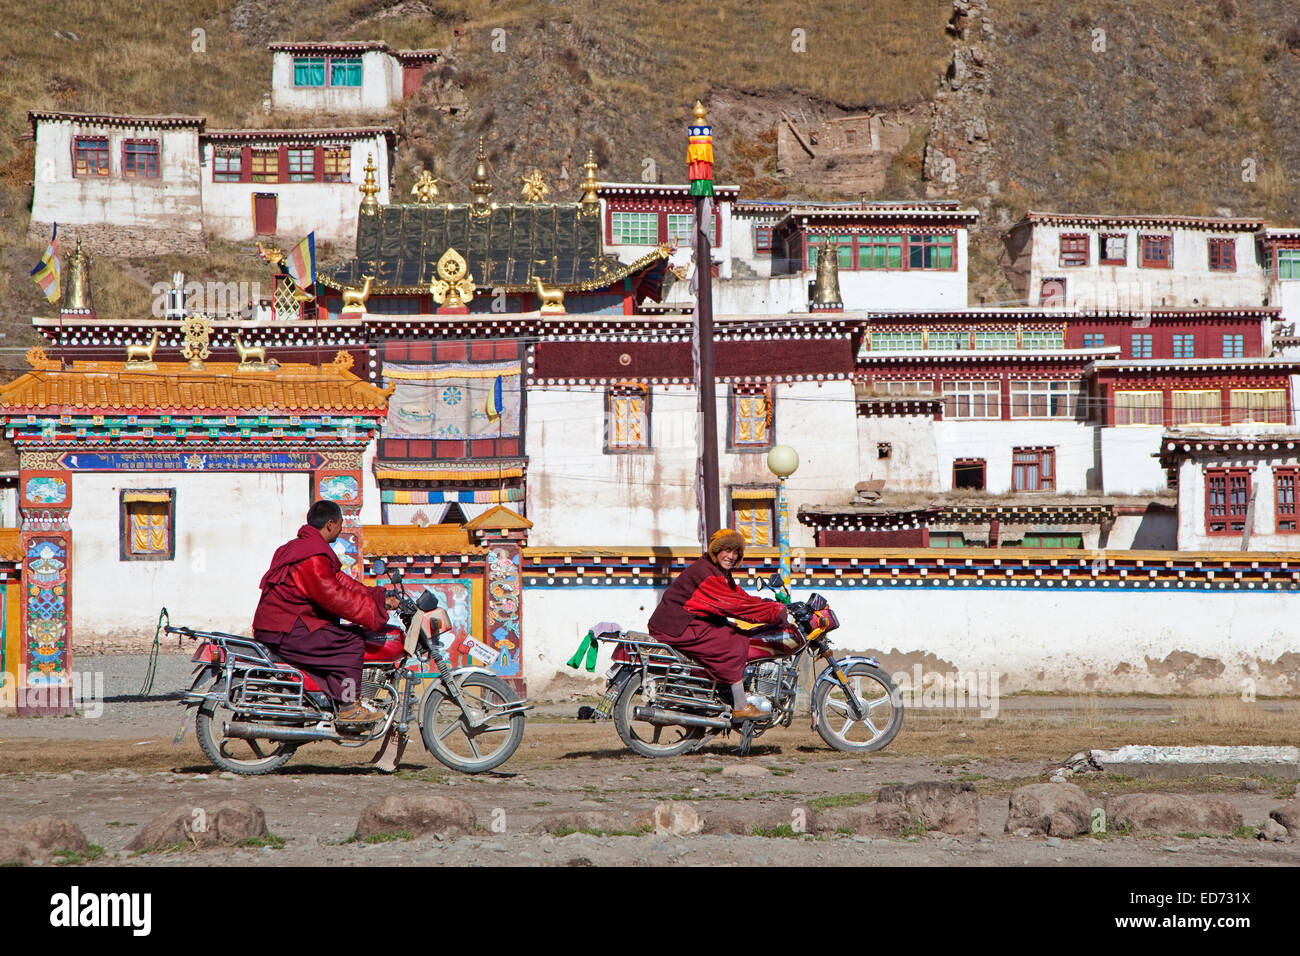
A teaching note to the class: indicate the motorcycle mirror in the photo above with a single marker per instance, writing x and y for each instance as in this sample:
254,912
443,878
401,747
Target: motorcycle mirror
775,582
379,566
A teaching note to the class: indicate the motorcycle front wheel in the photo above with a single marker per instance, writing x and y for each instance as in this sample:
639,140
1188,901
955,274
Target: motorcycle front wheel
245,757
453,737
650,740
882,711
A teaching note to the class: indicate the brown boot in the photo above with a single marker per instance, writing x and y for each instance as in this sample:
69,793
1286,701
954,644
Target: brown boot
748,712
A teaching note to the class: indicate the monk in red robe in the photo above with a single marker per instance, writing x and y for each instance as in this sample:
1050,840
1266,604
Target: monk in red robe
304,594
692,617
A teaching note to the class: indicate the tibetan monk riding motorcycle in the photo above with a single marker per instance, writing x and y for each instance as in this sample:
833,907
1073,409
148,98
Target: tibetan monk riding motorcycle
254,710
663,704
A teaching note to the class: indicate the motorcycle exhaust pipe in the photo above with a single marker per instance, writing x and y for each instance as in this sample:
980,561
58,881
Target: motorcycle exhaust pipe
655,715
247,731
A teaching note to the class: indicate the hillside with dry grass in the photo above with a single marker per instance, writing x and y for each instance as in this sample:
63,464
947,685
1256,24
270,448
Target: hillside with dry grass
1164,115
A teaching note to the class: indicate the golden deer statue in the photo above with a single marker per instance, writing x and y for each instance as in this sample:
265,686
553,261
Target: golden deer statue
551,300
249,354
142,354
354,300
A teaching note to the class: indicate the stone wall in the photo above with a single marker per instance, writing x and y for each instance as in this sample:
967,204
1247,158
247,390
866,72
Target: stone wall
118,241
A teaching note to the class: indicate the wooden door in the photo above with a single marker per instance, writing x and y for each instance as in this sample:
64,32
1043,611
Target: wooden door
264,211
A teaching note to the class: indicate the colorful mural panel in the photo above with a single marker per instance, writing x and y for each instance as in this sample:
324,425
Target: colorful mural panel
46,610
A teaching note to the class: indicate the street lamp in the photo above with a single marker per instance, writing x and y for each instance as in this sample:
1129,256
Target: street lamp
782,461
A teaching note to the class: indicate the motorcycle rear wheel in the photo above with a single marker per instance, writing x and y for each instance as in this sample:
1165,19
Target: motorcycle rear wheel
663,741
876,691
247,758
454,743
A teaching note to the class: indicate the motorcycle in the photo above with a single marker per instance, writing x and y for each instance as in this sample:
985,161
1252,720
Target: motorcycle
254,709
664,705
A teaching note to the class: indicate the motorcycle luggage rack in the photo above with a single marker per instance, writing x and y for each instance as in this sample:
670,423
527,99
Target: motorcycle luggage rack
269,690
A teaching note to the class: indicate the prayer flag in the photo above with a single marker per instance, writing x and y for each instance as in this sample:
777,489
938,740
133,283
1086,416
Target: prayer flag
301,263
46,273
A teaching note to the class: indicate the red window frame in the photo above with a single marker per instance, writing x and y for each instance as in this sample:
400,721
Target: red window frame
227,164
336,164
139,161
1033,469
302,164
1286,492
1157,251
1227,499
1101,249
1074,250
1223,255
762,238
86,148
271,175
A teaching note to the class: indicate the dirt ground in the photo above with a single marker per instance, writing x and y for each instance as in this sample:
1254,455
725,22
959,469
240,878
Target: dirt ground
114,773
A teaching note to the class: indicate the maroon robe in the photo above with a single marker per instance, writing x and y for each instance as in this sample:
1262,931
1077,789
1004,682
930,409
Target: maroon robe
304,593
692,618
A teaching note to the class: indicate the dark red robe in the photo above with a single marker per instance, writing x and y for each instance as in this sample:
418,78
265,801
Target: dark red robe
304,593
692,618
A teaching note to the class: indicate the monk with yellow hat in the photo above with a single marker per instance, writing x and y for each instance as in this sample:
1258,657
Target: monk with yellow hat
692,617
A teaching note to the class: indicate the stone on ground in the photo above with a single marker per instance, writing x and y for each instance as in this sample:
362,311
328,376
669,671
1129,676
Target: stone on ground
1056,809
672,818
1171,813
420,815
39,838
222,824
1288,815
939,805
580,820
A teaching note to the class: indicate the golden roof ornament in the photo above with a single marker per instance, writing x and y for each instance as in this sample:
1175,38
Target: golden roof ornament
454,287
535,188
425,188
589,197
251,357
38,360
271,254
140,357
197,330
76,288
481,187
369,188
826,290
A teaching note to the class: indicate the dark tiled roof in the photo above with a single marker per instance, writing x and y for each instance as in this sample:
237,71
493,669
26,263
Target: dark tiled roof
559,243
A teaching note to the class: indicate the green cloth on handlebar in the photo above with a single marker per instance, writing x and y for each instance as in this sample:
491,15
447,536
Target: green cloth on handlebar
589,646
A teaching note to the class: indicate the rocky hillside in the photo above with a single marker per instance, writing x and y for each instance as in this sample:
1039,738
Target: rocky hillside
1164,106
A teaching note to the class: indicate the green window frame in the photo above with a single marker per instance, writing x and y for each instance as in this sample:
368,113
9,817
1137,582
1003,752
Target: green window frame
1051,540
845,250
309,71
996,340
880,252
895,341
345,71
930,251
1042,339
948,341
1288,264
634,228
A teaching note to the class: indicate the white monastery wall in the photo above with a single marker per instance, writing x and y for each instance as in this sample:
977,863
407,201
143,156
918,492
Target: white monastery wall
1076,640
913,462
381,86
994,440
1127,463
579,495
227,527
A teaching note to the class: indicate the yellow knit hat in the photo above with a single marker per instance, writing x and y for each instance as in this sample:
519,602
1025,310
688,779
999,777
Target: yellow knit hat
725,538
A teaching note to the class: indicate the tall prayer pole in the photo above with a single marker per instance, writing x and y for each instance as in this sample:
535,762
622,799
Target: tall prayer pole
699,159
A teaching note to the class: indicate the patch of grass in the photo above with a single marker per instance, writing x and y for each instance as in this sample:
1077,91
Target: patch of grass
541,803
426,775
274,841
841,800
780,771
1245,832
971,777
914,829
178,847
781,830
710,770
119,823
847,831
389,837
592,831
13,863
67,857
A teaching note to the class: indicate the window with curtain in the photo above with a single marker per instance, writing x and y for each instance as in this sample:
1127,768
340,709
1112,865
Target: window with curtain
148,530
1140,408
1201,406
753,514
1257,405
751,418
309,71
627,420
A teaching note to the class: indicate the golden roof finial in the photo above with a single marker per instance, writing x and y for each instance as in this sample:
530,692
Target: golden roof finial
481,187
369,188
701,114
535,188
454,286
589,197
425,188
76,288
197,330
